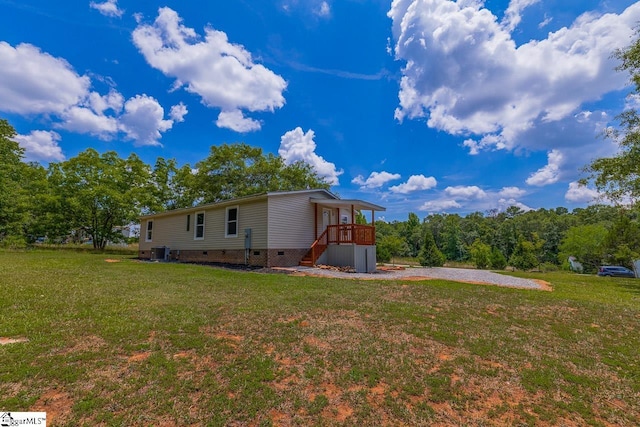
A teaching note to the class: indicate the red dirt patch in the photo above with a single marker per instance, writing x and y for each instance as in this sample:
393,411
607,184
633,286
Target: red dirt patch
111,260
139,357
57,404
7,340
229,337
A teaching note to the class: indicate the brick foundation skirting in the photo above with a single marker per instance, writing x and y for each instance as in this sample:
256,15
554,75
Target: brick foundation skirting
257,257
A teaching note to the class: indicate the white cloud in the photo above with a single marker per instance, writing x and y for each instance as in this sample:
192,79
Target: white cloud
375,179
236,121
143,120
324,10
297,145
82,119
513,14
504,204
550,173
547,21
108,8
466,192
221,73
34,82
511,192
41,145
439,205
471,198
580,194
414,183
466,75
178,112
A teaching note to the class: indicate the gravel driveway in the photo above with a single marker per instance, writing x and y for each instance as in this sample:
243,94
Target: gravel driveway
454,274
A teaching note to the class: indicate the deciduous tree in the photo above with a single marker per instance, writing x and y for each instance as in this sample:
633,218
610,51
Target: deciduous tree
101,193
618,177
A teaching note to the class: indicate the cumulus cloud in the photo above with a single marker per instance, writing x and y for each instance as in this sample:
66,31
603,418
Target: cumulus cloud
550,173
466,192
178,112
580,194
33,82
82,119
40,145
513,14
504,204
414,183
297,145
375,179
108,8
143,120
439,205
511,192
472,198
236,121
464,74
223,74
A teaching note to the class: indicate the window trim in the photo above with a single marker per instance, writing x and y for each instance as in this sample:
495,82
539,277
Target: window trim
196,225
148,235
227,222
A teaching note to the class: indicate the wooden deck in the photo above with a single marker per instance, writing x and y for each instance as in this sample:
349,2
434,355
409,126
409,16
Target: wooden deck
337,235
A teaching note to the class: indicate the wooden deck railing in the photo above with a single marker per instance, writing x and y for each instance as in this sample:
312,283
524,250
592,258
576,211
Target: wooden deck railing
340,234
351,233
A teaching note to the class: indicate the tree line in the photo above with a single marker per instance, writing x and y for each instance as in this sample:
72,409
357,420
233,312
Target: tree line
95,195
595,235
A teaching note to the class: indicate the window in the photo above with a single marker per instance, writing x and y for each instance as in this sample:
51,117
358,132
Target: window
188,222
232,222
199,226
149,235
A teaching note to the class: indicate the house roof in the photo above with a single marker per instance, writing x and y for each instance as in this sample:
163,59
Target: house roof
347,203
239,200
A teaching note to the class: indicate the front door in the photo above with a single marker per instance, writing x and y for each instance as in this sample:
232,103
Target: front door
326,218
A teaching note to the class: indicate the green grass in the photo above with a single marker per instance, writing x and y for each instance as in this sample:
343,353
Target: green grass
138,343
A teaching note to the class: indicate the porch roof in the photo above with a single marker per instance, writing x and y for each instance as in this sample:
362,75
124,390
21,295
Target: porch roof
347,203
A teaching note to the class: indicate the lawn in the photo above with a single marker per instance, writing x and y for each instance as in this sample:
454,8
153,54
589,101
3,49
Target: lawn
115,341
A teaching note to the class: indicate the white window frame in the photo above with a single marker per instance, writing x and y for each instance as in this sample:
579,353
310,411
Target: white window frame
227,221
148,234
196,226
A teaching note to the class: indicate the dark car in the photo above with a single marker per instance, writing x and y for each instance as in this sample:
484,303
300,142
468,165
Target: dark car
615,271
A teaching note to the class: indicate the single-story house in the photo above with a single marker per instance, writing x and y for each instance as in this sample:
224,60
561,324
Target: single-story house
275,229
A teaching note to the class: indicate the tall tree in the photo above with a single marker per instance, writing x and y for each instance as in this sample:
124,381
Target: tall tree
585,242
236,170
11,178
618,177
430,255
101,193
413,234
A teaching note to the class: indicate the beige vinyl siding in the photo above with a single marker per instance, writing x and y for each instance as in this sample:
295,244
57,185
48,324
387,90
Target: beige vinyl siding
291,220
171,230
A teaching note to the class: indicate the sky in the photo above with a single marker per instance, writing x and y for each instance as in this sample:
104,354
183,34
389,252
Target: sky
424,106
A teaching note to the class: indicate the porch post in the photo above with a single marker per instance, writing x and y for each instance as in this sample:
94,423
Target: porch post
315,221
353,215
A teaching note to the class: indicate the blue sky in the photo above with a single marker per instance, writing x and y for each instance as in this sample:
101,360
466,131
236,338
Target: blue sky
421,106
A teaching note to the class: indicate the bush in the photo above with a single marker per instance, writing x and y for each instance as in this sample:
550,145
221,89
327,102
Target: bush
14,242
497,260
480,254
430,255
